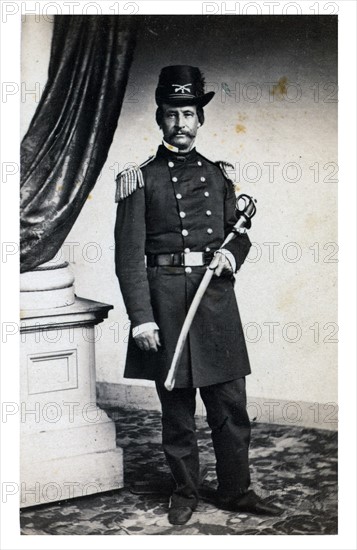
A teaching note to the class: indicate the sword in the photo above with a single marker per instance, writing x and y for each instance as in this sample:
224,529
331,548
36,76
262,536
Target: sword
245,210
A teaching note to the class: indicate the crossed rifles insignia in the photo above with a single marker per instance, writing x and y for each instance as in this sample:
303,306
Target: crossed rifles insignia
182,88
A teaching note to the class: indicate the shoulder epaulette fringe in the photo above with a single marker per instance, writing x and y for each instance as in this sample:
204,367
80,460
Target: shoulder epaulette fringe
129,180
223,165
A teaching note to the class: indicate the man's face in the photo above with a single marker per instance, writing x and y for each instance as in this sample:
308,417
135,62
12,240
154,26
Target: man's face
179,125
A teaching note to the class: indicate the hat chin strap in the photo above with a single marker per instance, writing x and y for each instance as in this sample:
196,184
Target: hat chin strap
176,149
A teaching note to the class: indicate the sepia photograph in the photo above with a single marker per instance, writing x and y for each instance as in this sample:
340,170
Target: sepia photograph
178,273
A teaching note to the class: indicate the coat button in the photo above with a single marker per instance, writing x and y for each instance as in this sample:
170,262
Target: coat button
203,178
184,232
188,269
179,196
199,163
207,249
209,230
174,179
171,164
182,214
187,250
206,194
208,213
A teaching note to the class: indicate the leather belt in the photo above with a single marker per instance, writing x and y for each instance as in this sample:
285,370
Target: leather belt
180,259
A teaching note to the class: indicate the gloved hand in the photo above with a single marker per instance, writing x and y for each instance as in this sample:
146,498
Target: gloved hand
223,265
148,340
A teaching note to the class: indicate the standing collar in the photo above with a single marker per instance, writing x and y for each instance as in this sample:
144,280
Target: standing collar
171,152
170,147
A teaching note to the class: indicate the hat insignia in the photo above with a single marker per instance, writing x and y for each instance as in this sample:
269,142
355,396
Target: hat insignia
182,88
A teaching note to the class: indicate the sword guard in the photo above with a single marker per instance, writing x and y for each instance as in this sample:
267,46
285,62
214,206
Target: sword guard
245,210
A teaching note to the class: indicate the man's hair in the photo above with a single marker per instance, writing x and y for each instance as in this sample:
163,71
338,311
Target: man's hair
160,113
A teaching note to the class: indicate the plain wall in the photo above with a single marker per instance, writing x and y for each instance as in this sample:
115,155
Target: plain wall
251,124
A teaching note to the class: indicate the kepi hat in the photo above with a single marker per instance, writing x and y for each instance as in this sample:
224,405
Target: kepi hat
182,85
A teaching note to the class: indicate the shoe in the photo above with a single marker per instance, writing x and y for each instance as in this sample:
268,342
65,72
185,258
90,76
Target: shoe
179,515
249,502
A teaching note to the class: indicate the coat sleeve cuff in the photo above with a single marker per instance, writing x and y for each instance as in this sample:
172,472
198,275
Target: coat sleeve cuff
136,331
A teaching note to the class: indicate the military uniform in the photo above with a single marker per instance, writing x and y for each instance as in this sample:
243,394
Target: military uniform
174,212
186,203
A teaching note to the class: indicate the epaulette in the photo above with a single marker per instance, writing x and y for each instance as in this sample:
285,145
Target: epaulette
223,165
129,180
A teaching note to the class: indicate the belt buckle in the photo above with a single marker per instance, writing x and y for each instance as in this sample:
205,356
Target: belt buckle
192,259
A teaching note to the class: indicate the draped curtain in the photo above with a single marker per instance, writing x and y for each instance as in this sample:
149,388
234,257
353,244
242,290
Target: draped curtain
70,134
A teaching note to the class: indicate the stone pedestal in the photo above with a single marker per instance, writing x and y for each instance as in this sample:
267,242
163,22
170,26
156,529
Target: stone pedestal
68,444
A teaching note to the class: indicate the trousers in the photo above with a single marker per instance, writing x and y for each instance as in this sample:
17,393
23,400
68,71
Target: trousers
230,431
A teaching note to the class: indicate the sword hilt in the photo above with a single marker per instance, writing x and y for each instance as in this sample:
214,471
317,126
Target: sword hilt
244,213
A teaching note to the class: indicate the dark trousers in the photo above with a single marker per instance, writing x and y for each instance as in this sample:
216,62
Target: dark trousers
230,427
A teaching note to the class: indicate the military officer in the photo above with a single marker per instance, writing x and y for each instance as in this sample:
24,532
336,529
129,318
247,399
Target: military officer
174,212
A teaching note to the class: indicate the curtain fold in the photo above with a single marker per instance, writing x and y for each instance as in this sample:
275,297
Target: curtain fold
70,134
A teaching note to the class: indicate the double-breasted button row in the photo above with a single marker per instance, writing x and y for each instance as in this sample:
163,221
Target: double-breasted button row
179,195
182,214
172,164
175,180
184,232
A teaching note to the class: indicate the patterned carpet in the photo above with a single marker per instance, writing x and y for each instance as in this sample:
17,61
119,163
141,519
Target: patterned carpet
294,467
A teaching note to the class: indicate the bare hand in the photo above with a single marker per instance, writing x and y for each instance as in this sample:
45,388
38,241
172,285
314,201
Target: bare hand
148,340
223,265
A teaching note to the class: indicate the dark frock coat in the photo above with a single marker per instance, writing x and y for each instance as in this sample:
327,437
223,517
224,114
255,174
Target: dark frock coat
186,203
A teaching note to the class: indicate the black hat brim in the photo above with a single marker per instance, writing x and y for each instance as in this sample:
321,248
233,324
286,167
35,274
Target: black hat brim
201,100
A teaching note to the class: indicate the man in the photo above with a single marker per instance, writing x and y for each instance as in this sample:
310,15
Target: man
174,212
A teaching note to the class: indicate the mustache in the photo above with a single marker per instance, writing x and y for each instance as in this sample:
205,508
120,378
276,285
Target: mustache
181,133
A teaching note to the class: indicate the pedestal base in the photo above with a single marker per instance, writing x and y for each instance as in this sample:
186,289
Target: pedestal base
71,477
68,444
